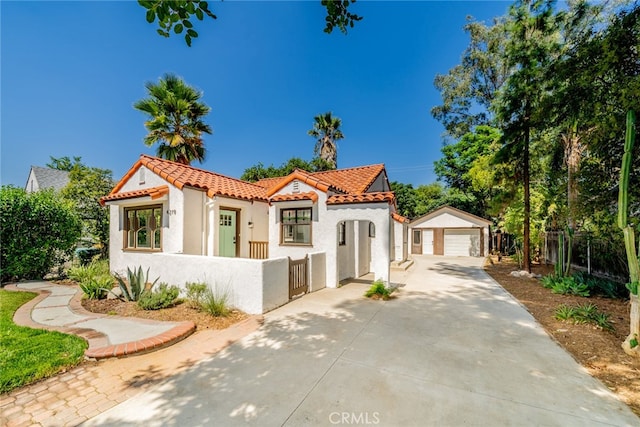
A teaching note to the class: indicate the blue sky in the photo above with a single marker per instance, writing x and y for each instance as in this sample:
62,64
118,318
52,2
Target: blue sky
71,72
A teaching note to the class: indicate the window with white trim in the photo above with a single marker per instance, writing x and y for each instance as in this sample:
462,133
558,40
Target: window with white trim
296,226
143,228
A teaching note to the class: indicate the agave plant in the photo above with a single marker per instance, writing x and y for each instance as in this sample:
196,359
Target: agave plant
136,283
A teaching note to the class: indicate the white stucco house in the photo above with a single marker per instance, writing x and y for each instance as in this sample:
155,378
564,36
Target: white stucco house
187,224
449,231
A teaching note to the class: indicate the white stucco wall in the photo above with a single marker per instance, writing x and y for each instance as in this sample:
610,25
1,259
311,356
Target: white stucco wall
254,286
317,271
399,240
195,222
363,260
325,232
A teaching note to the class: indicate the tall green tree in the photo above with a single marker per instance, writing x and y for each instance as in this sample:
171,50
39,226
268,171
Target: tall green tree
533,37
469,88
86,186
464,166
259,171
178,16
326,130
175,119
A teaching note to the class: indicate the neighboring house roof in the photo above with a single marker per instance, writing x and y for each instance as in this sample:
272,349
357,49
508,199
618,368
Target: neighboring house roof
48,178
452,210
153,192
181,176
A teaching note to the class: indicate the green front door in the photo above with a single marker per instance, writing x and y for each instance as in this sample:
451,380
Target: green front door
227,233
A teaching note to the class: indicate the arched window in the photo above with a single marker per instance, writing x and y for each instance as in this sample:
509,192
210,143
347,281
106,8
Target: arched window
372,229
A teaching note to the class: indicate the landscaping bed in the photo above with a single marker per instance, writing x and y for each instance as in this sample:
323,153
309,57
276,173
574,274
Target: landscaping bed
177,313
598,350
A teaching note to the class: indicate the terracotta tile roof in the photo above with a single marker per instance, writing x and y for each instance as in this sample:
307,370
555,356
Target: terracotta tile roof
311,195
187,176
353,180
154,192
399,218
302,176
268,182
384,196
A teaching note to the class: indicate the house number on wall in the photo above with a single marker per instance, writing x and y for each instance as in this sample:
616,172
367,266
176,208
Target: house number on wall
171,211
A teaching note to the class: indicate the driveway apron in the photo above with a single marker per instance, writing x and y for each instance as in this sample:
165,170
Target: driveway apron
452,349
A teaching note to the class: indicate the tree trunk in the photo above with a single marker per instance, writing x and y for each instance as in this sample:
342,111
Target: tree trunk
526,255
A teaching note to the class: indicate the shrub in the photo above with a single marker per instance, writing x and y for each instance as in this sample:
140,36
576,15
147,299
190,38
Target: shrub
585,313
565,285
136,283
38,231
164,296
215,303
82,273
378,288
600,286
97,287
195,294
565,312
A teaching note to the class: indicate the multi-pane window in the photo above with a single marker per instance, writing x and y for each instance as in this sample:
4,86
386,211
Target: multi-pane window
296,226
143,228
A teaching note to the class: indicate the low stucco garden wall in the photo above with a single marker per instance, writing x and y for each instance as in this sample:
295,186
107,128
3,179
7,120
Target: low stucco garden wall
254,286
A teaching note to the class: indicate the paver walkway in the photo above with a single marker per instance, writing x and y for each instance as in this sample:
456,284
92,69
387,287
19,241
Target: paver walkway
94,387
453,349
58,308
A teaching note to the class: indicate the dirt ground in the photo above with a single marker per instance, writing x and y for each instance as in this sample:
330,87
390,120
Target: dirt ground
177,313
599,351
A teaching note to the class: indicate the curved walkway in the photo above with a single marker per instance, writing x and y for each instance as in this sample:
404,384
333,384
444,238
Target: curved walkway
58,308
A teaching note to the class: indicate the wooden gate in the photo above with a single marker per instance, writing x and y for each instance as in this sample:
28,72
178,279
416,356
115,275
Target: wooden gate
298,277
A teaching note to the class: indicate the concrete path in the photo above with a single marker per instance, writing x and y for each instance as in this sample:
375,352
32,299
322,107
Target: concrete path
58,308
453,349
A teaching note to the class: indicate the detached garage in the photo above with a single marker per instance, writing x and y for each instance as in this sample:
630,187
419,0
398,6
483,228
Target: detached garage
449,231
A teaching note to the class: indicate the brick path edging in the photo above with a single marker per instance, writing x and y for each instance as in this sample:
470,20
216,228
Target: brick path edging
99,347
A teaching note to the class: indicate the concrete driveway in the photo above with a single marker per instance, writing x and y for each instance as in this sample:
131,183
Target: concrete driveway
453,349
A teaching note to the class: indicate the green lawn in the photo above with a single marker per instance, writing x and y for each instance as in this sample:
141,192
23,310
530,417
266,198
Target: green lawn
27,355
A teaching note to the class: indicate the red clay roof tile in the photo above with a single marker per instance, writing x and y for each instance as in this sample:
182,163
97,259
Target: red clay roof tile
302,176
154,192
182,175
352,180
399,218
384,196
311,195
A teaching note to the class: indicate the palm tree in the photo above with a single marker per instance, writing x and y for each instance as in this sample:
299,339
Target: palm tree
326,131
175,119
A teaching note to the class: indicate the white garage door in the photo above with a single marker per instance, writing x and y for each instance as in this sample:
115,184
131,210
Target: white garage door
462,242
427,242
